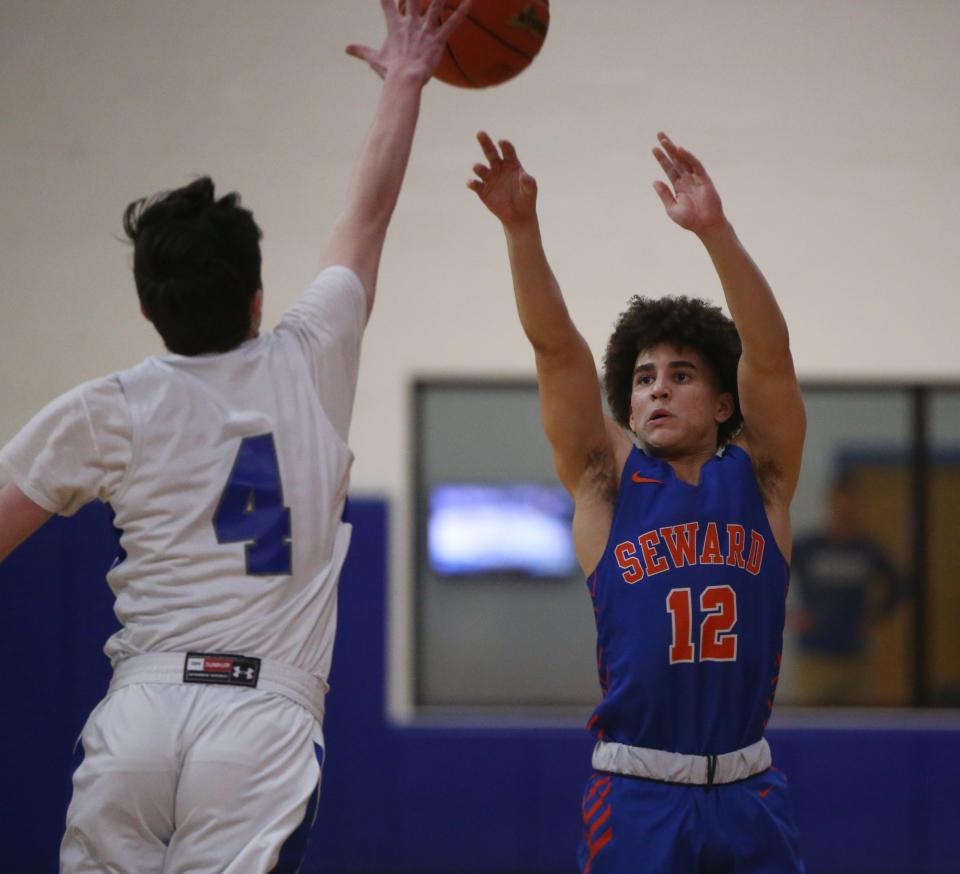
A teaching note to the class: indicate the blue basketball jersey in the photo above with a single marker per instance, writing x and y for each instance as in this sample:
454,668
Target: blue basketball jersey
689,598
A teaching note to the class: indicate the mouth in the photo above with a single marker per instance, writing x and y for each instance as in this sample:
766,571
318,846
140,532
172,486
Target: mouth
659,416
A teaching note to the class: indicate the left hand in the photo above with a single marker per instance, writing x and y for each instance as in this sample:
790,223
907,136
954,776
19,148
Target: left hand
505,188
414,41
693,203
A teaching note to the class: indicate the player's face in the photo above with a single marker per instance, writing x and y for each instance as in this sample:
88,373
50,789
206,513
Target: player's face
676,406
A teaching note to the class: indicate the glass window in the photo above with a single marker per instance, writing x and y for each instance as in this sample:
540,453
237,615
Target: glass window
943,558
498,627
847,640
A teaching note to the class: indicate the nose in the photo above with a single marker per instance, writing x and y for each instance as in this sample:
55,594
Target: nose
659,388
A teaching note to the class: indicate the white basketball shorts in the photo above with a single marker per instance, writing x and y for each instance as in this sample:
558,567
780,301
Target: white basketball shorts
193,778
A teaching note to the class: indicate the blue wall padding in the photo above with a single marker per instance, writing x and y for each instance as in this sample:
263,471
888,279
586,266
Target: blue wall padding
424,800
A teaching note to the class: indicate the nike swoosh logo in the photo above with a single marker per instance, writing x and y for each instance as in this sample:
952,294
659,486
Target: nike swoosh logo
763,793
645,479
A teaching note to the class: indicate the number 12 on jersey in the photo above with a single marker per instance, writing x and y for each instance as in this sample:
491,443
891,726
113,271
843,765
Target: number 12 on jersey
717,644
251,509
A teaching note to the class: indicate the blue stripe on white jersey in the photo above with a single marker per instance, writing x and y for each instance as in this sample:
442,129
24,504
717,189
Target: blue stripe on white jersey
689,599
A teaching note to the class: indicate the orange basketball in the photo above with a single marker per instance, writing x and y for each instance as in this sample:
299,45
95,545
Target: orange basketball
496,40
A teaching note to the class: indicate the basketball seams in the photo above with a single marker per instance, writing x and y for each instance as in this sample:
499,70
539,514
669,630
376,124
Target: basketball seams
496,36
484,53
476,22
460,70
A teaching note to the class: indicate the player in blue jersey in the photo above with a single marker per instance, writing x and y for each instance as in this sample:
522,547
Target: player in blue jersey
684,536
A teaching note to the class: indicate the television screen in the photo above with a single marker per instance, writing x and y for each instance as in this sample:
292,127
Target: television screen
517,528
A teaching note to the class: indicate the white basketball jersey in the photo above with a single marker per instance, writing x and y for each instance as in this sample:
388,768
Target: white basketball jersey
231,498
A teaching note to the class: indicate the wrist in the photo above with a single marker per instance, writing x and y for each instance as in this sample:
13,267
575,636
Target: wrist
717,234
407,75
520,228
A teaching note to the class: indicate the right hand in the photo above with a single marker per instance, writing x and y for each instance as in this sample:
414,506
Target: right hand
415,42
505,188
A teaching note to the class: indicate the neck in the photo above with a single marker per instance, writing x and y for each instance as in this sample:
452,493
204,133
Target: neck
687,466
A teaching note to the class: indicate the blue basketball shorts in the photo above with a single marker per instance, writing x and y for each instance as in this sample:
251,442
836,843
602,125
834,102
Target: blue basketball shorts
637,826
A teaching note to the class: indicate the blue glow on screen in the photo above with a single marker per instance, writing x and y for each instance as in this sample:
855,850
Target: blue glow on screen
500,528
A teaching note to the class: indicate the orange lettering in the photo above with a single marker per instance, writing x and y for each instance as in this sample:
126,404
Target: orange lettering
685,551
655,564
736,540
626,558
756,553
711,546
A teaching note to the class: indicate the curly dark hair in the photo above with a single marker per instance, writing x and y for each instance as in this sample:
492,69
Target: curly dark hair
682,321
196,262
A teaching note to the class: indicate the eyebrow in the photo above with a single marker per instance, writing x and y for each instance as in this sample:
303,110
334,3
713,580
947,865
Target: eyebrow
646,368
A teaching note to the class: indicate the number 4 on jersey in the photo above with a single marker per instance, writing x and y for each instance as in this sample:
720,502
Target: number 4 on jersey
719,603
251,509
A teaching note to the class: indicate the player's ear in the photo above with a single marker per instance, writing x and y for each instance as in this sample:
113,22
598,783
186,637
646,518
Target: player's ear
725,407
256,312
145,312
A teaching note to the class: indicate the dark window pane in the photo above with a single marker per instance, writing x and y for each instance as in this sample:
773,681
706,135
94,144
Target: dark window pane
848,629
506,632
943,640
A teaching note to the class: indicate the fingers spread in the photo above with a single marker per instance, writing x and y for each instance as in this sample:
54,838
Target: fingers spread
691,161
481,170
357,51
666,195
668,167
667,144
454,20
509,152
675,153
390,11
489,149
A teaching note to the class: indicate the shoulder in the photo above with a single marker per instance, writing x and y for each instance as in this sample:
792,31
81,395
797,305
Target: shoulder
335,299
104,392
87,401
339,279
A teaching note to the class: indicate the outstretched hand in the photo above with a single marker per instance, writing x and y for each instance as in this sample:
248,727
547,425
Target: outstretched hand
693,202
414,41
505,188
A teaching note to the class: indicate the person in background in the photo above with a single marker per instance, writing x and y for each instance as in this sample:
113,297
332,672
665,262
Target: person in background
845,582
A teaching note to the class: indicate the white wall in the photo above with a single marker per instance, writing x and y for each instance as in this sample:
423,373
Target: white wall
830,127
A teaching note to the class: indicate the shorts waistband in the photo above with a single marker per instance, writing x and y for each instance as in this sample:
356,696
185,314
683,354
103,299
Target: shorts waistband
617,758
273,676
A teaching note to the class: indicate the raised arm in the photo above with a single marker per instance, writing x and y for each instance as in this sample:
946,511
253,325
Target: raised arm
585,445
410,52
770,399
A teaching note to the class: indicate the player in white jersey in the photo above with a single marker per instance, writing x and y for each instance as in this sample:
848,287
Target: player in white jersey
226,463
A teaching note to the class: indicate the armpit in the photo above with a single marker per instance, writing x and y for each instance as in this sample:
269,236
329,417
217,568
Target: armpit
769,480
600,474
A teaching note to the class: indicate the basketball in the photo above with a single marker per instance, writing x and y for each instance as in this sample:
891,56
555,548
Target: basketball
497,40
